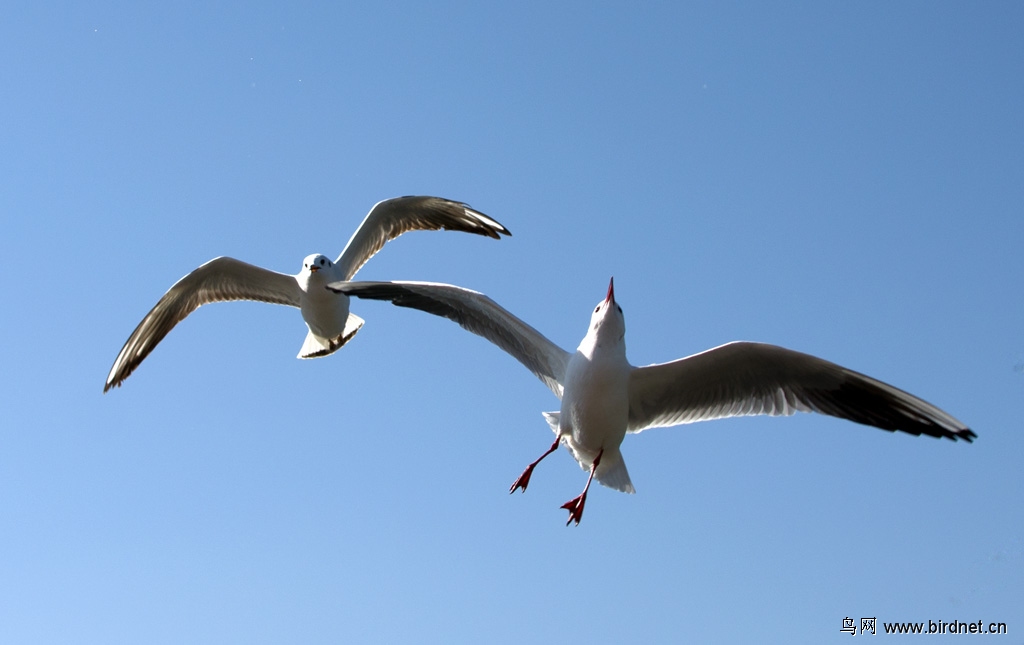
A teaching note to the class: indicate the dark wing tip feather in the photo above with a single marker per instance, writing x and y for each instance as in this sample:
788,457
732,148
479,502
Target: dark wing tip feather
124,365
483,231
117,378
127,359
494,230
489,227
865,403
402,297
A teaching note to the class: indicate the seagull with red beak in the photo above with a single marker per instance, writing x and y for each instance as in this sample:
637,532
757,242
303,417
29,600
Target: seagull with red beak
604,397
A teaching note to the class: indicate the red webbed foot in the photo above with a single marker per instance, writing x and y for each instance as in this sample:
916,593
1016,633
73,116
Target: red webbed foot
575,508
524,480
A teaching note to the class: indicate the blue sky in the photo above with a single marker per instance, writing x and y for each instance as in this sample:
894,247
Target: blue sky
845,179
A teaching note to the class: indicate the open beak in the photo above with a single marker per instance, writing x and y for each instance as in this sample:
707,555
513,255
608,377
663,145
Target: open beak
314,269
611,291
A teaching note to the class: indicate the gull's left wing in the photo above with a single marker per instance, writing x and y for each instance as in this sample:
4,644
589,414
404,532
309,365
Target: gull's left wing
743,379
392,217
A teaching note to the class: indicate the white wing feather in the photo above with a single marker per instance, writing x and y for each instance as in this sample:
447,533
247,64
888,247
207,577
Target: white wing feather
743,378
219,280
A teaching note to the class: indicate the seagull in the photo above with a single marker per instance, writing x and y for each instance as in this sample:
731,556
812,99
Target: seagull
604,397
326,313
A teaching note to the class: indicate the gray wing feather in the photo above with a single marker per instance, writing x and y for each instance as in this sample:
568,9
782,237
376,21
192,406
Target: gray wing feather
219,280
392,217
742,378
477,313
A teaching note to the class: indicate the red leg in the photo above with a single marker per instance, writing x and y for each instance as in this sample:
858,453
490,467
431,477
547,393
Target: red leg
524,479
575,505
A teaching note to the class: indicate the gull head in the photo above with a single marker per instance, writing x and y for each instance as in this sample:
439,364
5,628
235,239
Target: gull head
607,324
315,263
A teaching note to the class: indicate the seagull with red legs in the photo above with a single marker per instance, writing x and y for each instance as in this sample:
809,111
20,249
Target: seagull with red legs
326,314
604,397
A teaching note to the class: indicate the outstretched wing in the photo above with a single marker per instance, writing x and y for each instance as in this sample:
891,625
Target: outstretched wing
392,217
476,313
218,280
742,378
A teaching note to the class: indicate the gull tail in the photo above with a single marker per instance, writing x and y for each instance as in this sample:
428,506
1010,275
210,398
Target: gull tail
611,472
552,419
315,346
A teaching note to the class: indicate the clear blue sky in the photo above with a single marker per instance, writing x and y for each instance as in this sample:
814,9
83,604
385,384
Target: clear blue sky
845,179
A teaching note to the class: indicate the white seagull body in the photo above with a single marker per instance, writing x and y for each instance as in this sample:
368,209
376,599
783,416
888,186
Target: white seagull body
326,313
604,397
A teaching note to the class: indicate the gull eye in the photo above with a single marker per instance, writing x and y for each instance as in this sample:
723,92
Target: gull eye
619,308
597,309
322,261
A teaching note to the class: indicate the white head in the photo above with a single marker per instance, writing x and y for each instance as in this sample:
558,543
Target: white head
607,324
316,263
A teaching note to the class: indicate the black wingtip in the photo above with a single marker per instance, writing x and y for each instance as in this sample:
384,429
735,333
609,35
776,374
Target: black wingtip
494,233
966,434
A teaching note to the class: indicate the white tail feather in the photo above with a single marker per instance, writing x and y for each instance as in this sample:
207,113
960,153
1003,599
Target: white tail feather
314,346
552,419
611,472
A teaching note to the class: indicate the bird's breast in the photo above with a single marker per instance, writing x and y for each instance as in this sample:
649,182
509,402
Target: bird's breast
324,311
595,403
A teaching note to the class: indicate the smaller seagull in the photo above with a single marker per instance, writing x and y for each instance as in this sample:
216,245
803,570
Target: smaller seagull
604,397
326,313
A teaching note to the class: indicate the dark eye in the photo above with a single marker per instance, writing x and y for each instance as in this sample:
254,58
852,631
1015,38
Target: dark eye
619,308
322,261
597,308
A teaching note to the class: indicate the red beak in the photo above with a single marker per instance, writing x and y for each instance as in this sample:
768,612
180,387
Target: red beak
611,291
